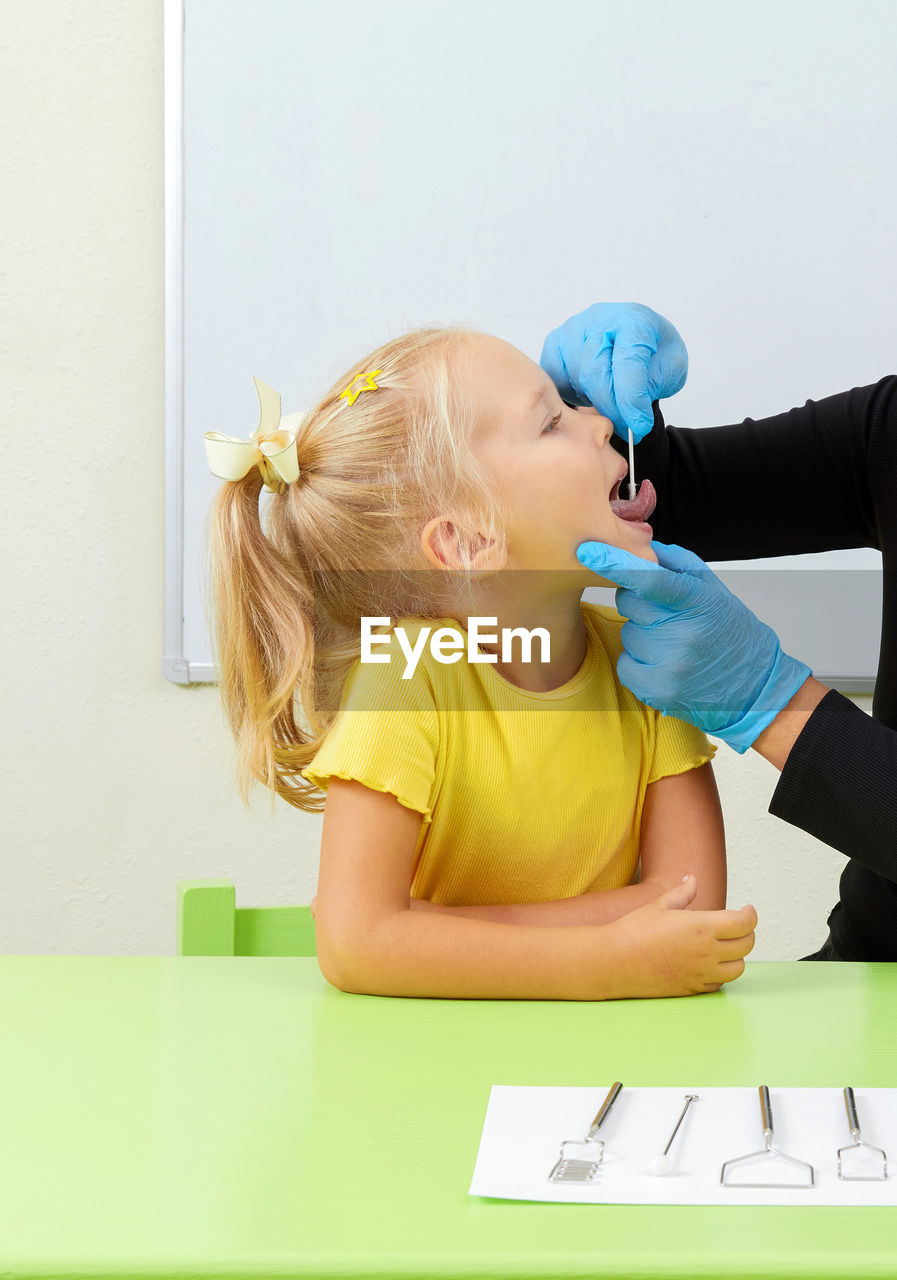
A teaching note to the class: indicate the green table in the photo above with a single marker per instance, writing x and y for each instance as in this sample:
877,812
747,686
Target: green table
165,1116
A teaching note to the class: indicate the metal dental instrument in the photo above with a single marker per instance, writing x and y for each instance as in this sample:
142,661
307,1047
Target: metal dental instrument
661,1164
861,1148
583,1167
768,1152
631,465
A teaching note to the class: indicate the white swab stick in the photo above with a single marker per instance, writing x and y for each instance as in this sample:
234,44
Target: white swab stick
631,465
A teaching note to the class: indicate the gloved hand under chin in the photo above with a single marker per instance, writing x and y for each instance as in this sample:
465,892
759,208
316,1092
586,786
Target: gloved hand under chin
692,649
619,357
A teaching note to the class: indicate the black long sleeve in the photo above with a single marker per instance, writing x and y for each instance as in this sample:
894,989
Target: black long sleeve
817,478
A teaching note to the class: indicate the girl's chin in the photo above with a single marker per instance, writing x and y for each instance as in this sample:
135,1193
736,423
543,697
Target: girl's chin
638,538
646,552
635,537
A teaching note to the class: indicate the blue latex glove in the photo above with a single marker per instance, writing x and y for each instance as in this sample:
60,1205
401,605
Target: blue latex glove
691,649
617,356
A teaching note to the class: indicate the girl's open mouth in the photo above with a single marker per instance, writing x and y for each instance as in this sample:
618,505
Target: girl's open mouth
634,510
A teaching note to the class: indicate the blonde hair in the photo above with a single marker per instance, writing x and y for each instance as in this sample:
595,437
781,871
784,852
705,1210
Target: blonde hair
341,543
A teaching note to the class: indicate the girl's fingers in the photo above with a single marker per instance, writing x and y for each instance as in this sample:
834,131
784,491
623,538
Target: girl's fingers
736,924
729,970
736,948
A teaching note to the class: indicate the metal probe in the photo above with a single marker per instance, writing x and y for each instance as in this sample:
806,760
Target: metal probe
661,1164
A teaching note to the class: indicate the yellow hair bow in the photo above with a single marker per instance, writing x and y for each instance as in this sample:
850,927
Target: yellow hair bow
269,448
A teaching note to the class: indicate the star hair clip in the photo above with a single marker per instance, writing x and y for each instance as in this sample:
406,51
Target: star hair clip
352,391
270,448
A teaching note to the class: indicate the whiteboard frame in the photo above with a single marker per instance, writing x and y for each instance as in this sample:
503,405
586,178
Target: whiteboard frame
176,666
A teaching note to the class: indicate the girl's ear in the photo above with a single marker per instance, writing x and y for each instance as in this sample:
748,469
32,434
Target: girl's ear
447,544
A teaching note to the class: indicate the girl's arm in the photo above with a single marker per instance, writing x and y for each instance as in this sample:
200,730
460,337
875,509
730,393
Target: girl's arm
682,834
584,908
369,940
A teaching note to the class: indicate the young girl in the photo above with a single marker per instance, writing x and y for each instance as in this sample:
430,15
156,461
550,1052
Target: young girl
502,823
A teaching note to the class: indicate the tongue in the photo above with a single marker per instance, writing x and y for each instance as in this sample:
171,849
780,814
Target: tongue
638,508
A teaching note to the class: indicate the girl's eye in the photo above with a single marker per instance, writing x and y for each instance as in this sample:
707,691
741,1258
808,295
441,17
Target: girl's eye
552,424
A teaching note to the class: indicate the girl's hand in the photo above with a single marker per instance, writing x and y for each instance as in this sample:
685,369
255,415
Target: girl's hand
667,951
313,905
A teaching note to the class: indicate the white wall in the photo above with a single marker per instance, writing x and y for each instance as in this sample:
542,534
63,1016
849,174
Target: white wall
115,783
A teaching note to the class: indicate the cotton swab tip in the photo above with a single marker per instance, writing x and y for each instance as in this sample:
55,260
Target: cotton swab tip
660,1165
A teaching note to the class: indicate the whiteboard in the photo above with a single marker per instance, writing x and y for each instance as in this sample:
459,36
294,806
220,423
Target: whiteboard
337,174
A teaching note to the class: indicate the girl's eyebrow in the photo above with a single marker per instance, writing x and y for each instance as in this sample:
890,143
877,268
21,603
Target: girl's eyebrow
538,398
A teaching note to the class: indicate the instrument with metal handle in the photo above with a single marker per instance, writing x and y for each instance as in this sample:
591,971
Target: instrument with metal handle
603,1111
661,1164
865,1157
766,1112
770,1153
584,1166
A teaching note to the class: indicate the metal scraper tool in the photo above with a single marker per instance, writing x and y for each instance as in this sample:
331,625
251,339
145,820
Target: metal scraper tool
581,1158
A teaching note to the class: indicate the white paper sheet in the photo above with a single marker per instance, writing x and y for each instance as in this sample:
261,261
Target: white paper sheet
524,1128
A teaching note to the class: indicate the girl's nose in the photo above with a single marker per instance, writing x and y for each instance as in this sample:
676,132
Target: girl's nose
604,429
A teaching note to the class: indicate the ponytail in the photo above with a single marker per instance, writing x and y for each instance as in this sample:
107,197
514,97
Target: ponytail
262,630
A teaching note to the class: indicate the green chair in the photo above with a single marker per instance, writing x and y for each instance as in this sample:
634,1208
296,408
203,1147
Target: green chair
209,923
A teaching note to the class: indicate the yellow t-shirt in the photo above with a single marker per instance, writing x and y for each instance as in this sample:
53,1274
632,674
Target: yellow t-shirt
525,797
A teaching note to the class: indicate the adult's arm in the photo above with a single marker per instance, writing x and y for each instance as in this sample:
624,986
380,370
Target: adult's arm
817,478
